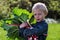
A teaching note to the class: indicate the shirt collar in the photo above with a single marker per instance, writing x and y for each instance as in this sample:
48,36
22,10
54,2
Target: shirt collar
41,21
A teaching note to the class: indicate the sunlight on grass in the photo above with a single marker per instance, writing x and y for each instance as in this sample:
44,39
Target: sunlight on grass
53,32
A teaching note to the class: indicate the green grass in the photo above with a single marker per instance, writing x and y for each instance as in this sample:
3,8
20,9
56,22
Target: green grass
53,32
3,34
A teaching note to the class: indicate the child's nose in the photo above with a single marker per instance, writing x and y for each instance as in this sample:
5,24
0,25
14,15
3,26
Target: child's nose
37,16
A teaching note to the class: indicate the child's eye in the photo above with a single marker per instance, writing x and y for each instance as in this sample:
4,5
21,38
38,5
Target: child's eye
34,14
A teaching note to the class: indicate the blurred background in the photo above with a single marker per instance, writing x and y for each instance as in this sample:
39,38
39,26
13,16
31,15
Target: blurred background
7,7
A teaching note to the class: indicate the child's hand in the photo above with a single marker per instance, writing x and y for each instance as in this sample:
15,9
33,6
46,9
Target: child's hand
23,25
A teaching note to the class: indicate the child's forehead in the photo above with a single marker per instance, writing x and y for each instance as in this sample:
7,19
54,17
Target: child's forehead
37,10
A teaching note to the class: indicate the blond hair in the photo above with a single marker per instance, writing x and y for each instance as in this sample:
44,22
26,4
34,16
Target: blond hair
40,6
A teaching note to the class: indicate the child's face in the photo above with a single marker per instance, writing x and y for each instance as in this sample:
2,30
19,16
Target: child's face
38,15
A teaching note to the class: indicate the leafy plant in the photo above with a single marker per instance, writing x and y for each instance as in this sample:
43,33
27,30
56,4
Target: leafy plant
19,17
3,34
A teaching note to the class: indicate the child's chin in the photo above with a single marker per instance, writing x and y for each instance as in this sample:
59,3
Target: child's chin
38,20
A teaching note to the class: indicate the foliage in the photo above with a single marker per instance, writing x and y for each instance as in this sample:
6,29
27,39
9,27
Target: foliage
19,16
7,6
23,14
3,34
54,5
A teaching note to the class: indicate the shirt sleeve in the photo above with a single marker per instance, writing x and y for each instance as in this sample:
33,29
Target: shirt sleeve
37,30
21,30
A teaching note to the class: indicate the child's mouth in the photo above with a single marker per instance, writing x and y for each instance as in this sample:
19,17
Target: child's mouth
38,19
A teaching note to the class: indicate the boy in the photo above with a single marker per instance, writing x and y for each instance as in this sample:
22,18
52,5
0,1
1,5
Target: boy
39,29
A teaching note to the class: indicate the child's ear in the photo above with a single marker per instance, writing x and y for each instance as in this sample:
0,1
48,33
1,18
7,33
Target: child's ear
46,14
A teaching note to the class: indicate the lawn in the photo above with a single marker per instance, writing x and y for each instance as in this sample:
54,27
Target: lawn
53,33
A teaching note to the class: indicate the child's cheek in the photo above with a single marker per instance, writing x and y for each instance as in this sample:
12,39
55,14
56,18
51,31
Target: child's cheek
34,16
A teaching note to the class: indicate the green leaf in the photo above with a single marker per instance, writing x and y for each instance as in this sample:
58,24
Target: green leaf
16,20
24,17
6,27
31,19
17,11
13,32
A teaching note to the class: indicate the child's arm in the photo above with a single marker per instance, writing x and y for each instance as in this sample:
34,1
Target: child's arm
21,29
36,31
